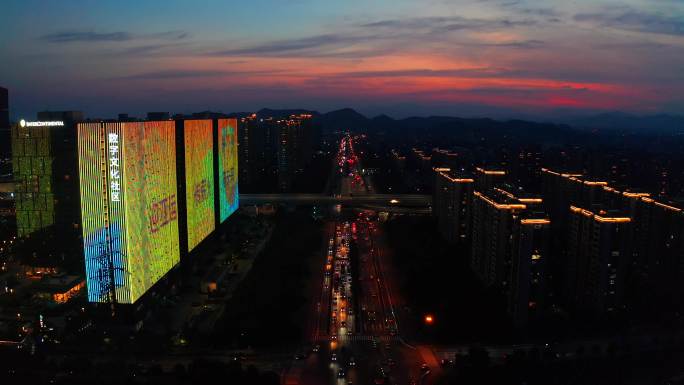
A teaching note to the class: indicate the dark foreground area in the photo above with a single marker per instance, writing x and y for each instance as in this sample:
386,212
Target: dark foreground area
268,309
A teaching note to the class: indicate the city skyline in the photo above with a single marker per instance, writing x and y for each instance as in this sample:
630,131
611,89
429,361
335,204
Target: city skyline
468,58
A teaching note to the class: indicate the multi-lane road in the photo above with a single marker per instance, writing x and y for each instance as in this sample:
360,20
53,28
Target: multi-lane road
355,328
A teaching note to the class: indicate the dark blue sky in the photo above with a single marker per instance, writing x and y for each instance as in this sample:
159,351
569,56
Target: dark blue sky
470,58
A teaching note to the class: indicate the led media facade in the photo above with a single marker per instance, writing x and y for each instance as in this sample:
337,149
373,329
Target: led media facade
227,167
128,206
199,180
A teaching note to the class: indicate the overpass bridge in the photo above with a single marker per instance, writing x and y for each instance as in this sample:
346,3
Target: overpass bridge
416,201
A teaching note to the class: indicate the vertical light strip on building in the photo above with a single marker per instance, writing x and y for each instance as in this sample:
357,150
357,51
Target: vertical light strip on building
92,172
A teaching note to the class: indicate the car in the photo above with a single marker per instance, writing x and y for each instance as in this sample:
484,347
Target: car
351,361
299,356
446,362
333,357
424,368
316,348
341,373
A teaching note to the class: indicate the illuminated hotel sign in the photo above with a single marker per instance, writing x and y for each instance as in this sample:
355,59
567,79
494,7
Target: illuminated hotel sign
54,123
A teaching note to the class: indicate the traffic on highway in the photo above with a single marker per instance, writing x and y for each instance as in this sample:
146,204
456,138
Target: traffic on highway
356,338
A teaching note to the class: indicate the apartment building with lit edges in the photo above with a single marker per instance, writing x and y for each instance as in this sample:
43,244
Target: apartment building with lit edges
509,251
452,201
580,245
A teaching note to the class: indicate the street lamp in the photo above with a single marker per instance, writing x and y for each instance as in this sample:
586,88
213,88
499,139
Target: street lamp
429,319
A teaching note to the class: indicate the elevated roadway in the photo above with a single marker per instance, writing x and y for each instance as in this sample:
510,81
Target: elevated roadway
358,200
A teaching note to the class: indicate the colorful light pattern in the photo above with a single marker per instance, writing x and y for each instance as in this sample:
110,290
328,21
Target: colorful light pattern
227,168
199,180
128,206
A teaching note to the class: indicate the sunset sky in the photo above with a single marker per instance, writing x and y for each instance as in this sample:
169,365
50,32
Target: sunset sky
469,58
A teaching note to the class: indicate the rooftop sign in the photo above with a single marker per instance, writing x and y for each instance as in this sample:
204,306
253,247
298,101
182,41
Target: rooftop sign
54,123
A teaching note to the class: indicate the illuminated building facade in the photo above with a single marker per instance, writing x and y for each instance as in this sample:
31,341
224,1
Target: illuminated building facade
226,158
59,290
599,255
45,170
195,138
452,201
129,207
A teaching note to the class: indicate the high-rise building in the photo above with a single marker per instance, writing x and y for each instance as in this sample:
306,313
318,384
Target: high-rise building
45,168
487,179
151,192
658,265
129,206
560,190
599,255
253,156
529,292
195,160
510,249
226,168
295,146
491,237
452,200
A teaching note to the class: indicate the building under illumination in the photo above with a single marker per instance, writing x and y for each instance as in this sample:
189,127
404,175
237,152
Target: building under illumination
599,255
487,179
45,169
452,200
510,249
151,192
529,284
129,206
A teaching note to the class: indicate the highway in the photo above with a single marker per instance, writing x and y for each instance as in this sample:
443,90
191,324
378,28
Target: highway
354,329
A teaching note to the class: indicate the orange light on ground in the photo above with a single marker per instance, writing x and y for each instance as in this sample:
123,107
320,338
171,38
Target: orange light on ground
429,319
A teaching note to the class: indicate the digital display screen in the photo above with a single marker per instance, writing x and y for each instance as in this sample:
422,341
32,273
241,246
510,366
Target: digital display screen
227,167
128,206
199,180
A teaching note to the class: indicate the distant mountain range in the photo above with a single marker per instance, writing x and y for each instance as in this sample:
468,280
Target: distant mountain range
349,119
662,124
